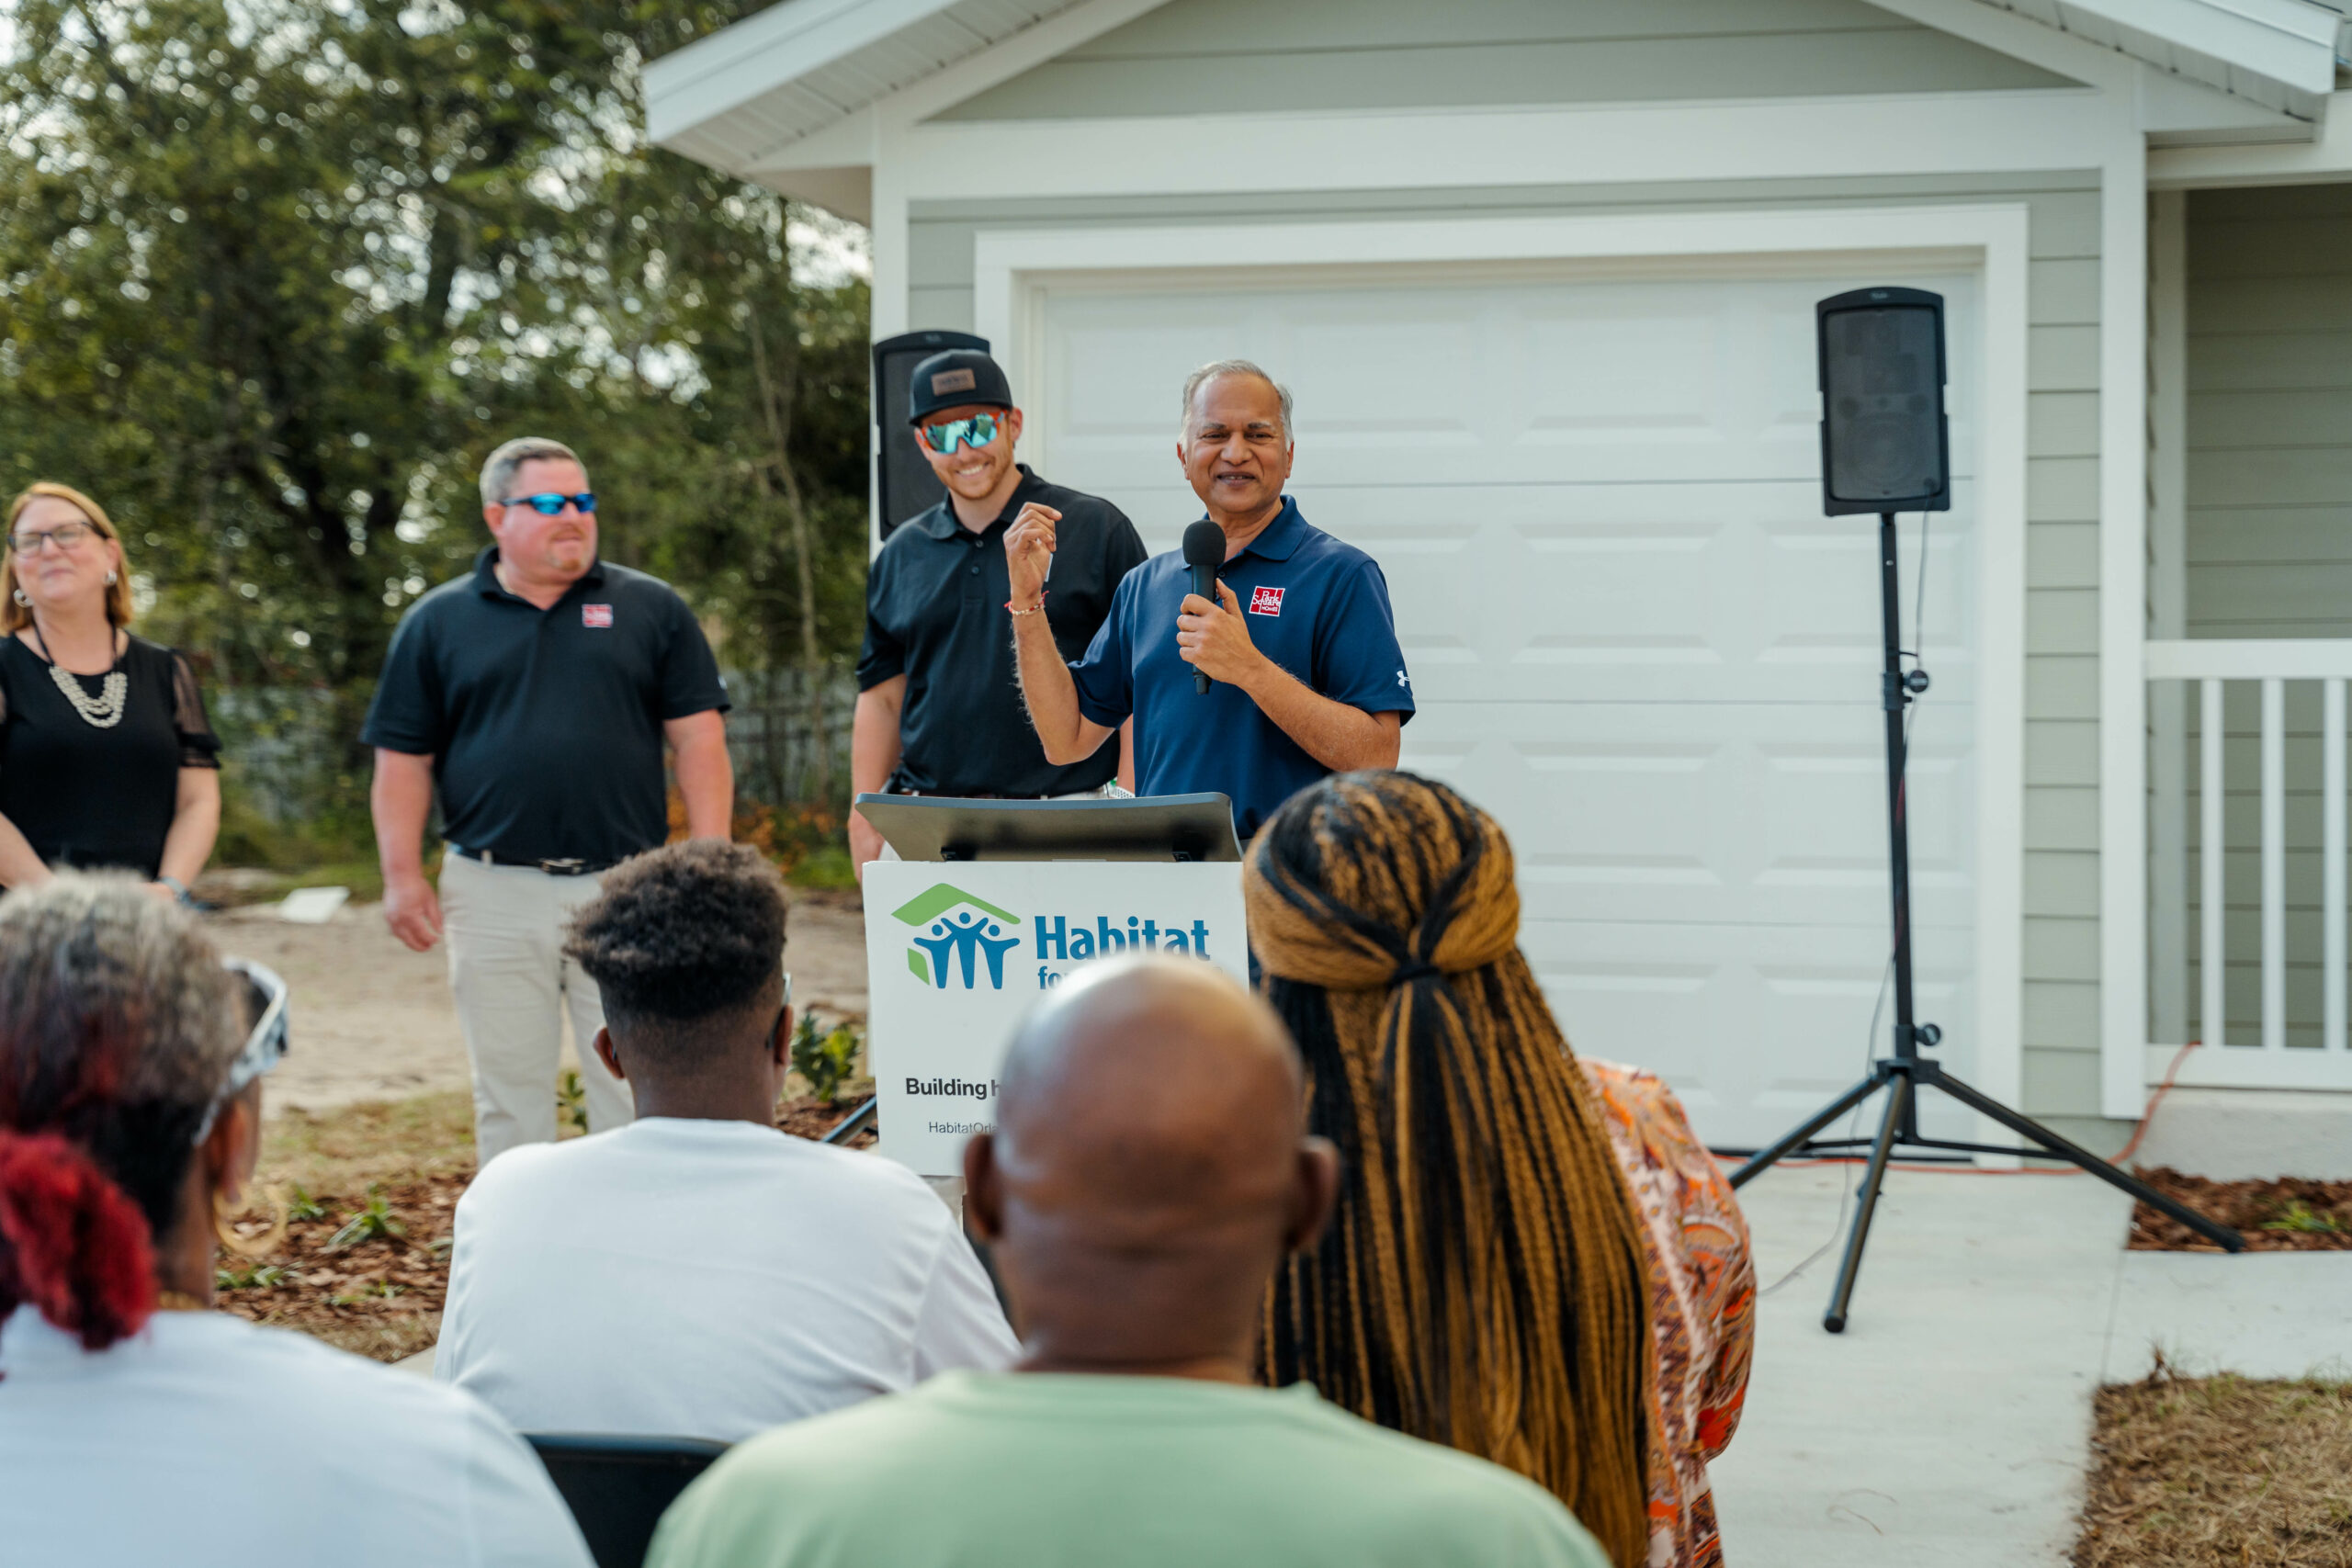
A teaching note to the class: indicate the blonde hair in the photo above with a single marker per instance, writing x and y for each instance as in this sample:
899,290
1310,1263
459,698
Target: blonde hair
15,618
1481,1283
498,469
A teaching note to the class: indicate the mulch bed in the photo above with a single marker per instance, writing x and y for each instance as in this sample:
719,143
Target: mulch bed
2219,1473
2290,1215
806,1117
380,1293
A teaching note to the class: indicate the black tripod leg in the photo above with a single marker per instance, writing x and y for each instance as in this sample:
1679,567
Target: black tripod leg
2025,1127
1898,1098
1758,1162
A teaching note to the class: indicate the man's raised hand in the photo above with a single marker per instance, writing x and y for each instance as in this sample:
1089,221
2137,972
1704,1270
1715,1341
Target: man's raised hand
1029,553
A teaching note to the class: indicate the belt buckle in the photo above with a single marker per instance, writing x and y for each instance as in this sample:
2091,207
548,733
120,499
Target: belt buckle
563,867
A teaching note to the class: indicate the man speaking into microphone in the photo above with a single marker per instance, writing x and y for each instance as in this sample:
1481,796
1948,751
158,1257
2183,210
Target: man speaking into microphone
1299,645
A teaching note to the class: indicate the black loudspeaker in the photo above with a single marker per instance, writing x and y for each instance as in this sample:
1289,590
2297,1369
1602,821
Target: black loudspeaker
902,481
1884,445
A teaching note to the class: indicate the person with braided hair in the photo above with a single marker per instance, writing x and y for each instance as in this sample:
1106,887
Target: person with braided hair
136,1426
1532,1258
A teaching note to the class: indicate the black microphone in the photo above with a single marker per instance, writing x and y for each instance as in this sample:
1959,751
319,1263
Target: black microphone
1204,552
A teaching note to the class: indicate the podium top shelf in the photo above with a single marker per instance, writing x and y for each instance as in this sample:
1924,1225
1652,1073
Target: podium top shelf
1147,828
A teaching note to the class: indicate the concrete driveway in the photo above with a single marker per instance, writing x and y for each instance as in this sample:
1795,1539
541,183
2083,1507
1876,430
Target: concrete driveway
1950,1424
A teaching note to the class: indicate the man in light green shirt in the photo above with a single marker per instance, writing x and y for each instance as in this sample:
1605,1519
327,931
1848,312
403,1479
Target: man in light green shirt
1149,1173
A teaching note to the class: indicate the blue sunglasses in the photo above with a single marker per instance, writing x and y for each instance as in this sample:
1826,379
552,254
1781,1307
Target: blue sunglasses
977,430
548,504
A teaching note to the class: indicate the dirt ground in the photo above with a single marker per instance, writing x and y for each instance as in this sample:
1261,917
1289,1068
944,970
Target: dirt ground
372,1020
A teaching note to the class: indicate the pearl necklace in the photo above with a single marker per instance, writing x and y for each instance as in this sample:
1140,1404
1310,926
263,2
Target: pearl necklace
101,712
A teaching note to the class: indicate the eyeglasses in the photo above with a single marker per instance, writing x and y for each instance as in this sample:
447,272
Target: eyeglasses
265,1046
548,504
976,430
65,536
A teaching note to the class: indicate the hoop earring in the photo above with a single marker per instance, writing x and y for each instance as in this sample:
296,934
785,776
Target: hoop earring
110,577
24,599
260,1246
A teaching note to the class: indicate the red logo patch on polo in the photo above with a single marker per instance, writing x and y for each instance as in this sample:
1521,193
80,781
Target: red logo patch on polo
600,615
1265,601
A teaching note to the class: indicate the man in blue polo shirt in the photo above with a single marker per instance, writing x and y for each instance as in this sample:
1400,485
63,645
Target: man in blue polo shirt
1307,679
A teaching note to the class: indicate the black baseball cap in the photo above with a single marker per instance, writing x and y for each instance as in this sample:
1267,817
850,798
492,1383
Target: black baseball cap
961,377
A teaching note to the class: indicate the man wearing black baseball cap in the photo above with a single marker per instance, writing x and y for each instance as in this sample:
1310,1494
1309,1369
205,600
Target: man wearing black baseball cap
939,706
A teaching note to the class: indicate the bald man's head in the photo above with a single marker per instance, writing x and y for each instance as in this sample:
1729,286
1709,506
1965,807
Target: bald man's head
1149,1169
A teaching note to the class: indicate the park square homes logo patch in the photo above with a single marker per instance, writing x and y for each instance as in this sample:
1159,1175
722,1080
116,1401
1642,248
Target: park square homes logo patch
599,617
1265,601
953,930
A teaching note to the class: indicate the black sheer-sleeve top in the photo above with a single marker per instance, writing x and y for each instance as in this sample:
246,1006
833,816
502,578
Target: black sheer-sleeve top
96,798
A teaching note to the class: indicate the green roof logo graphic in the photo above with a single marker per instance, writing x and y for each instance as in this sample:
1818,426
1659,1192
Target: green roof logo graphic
961,928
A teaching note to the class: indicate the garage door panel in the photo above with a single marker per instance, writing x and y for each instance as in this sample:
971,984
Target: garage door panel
1517,382
1753,1030
1633,638
1737,812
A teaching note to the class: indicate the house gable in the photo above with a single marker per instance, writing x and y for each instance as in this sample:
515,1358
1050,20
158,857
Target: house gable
1230,56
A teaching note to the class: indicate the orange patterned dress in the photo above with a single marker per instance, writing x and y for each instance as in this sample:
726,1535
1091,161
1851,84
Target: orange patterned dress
1702,1304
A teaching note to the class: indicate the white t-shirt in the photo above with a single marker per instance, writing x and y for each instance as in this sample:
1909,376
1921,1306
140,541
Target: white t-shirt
205,1440
705,1278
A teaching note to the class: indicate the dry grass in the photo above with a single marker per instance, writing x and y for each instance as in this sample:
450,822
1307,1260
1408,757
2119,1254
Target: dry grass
345,1149
2219,1472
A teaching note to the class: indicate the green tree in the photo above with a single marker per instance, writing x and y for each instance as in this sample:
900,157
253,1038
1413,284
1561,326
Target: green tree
274,276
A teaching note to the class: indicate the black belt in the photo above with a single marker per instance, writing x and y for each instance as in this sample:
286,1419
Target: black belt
552,867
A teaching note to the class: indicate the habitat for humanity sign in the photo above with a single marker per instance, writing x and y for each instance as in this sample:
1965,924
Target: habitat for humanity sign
957,952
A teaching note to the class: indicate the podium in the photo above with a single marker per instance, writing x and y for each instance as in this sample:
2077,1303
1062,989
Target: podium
991,904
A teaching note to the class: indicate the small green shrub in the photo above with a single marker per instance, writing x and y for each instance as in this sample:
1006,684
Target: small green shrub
2298,1215
374,1223
825,1060
571,1101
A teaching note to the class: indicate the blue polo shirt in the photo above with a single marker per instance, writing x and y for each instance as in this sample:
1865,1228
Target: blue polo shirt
1315,606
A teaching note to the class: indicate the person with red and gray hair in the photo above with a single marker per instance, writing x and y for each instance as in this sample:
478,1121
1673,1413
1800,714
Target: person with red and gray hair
137,1426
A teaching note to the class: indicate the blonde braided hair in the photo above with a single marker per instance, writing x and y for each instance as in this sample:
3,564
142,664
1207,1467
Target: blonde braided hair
1481,1284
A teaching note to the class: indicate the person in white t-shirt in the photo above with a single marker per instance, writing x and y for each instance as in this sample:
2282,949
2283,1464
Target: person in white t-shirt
136,1426
699,1273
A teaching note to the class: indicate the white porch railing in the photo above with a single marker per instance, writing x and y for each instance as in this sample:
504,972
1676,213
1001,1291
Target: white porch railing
2219,696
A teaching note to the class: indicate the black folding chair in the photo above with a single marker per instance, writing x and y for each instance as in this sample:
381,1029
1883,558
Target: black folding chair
617,1486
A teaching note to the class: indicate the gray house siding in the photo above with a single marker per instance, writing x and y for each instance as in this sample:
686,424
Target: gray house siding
2269,534
2061,871
1195,57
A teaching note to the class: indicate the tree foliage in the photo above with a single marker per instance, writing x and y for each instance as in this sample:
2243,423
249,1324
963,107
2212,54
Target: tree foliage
275,275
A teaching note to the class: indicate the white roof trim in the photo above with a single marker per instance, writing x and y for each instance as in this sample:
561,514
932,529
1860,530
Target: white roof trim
2281,54
740,98
797,68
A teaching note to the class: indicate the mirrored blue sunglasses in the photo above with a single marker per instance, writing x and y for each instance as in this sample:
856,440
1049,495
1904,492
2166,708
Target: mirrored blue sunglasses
548,504
977,430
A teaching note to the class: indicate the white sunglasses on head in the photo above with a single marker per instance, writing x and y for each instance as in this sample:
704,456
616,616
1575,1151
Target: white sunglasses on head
265,1044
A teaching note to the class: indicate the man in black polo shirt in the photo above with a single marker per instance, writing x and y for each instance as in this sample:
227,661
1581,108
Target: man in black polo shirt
537,693
939,708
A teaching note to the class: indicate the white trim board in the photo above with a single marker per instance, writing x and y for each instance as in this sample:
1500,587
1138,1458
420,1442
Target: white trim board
1013,268
1919,133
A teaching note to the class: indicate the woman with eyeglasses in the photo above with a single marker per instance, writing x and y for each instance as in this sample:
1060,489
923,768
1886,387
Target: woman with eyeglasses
137,1426
107,759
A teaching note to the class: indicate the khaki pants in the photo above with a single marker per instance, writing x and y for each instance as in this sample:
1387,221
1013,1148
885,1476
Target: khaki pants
506,926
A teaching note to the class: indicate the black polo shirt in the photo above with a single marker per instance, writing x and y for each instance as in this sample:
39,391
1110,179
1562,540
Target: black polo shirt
545,725
934,613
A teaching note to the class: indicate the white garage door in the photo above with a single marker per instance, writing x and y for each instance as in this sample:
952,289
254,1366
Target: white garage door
1633,638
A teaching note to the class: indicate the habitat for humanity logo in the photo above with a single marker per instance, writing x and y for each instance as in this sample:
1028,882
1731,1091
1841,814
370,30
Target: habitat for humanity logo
962,927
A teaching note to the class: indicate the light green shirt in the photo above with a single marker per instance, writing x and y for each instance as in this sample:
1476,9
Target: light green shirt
1009,1470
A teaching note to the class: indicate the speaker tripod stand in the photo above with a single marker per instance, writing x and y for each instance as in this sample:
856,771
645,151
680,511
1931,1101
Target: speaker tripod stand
1906,1075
